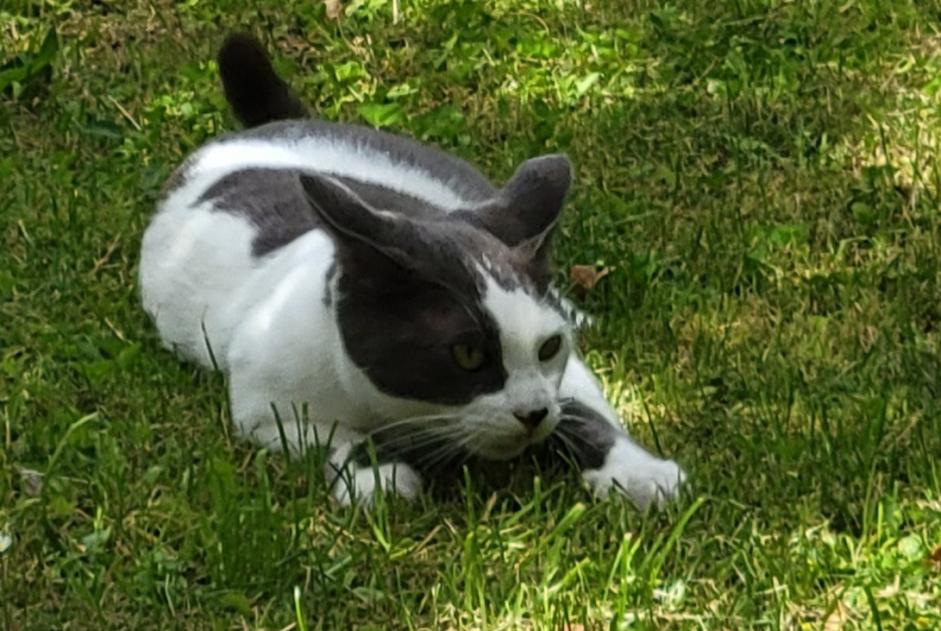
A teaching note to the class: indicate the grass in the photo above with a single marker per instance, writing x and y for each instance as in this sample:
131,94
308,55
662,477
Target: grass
762,180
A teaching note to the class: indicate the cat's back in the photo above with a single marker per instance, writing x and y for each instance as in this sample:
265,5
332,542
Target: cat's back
235,204
368,160
364,157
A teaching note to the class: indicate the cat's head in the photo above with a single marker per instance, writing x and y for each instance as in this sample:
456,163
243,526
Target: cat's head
453,312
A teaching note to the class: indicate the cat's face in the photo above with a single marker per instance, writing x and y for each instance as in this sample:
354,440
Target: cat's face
453,313
535,342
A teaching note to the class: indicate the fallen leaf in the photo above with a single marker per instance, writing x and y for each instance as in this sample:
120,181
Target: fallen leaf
334,9
935,558
585,277
32,481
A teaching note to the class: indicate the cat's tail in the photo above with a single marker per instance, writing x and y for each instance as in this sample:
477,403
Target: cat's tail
255,92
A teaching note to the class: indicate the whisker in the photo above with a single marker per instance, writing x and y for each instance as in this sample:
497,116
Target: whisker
434,422
448,450
412,443
405,445
443,449
567,440
411,440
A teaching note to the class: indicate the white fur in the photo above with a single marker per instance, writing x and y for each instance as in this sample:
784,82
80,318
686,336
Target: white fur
193,261
319,153
647,480
579,383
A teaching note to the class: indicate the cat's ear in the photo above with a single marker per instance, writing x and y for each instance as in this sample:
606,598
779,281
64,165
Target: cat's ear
359,223
529,206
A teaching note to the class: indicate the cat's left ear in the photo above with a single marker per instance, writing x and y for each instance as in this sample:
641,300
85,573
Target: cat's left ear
361,227
526,211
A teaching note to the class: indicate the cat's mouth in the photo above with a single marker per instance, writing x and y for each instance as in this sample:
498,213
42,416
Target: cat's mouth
503,452
507,448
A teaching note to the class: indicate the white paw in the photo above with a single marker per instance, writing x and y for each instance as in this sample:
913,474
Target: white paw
356,484
645,479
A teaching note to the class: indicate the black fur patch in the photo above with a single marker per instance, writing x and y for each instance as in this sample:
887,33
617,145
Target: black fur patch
272,199
399,328
588,435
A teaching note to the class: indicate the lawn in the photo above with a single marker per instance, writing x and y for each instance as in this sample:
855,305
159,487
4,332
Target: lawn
760,180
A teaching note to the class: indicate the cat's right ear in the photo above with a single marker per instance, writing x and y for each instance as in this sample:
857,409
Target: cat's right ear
357,222
525,213
528,207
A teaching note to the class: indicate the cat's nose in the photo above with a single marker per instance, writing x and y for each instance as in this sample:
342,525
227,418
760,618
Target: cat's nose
532,418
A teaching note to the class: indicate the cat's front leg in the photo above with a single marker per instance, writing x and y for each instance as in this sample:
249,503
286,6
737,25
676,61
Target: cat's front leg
283,409
349,470
284,425
610,460
356,474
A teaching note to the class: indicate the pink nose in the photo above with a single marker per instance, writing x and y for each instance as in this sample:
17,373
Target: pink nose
531,419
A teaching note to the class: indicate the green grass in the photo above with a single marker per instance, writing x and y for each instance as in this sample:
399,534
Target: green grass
762,178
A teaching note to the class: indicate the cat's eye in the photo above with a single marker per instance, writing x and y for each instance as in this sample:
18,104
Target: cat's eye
467,356
550,348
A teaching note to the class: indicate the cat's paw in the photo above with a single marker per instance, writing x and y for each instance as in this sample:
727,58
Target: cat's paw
646,480
358,484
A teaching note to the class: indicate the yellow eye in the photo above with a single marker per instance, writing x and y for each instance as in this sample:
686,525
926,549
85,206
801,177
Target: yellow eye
468,357
550,348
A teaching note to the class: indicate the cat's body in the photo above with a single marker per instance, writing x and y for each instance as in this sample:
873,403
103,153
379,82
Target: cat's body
350,282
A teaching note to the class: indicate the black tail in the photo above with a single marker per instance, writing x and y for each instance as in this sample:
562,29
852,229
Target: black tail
257,95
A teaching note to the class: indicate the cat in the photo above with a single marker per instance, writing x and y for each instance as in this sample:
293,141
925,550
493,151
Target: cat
356,285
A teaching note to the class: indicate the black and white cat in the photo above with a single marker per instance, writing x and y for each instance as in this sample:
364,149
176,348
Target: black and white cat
355,284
